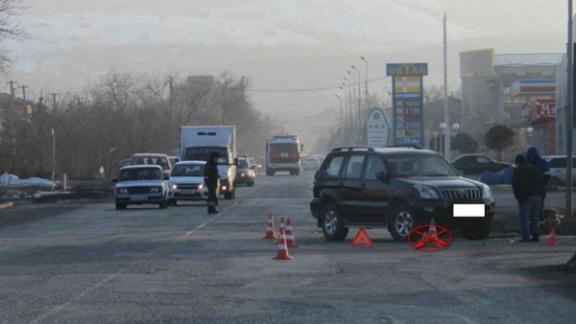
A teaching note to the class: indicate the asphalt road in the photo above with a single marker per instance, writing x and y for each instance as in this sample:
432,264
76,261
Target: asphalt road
92,263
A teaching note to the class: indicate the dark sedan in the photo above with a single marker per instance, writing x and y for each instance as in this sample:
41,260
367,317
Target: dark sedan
476,164
245,172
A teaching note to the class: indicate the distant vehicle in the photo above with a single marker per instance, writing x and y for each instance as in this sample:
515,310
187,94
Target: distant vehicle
558,175
174,160
283,154
187,182
141,184
476,164
198,142
159,159
395,187
311,163
245,172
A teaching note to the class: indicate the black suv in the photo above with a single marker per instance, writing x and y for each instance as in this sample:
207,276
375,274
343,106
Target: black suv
395,187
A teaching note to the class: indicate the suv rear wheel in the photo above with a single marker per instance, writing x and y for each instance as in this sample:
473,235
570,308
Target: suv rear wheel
332,225
401,220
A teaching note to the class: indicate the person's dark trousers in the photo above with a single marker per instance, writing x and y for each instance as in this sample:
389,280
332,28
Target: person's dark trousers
530,210
212,200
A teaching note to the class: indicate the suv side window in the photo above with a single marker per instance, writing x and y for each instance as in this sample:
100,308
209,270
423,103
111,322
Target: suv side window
334,166
374,165
354,167
483,160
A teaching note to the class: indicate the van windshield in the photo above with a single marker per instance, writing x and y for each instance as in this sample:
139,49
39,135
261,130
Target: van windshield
203,154
140,174
419,165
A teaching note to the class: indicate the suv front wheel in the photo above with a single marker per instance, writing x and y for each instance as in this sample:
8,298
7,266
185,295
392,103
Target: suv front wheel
332,225
401,220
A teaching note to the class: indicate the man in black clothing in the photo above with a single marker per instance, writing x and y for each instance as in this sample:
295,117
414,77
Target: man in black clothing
529,188
212,181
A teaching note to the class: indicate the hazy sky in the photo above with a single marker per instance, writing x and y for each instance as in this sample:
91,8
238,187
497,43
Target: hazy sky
276,43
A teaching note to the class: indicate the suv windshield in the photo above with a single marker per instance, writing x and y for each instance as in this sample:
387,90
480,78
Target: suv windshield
188,170
419,165
140,174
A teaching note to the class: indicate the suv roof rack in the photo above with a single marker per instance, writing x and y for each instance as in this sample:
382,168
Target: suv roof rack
353,148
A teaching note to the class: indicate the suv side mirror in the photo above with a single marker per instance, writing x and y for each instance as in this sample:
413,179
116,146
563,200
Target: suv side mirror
383,176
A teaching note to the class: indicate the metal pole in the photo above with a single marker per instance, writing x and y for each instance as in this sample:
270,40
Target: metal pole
447,140
365,77
53,157
569,109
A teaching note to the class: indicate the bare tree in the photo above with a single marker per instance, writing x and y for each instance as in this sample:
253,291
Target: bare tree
9,28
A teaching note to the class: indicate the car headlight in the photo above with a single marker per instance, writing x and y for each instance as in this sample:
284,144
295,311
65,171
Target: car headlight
122,191
224,188
201,186
427,192
486,191
242,174
155,189
174,186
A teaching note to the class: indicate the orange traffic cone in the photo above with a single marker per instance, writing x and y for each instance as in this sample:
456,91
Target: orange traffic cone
290,239
552,237
362,239
270,235
282,228
282,249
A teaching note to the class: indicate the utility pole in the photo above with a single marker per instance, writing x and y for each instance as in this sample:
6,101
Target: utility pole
12,94
447,139
24,87
170,100
569,125
54,100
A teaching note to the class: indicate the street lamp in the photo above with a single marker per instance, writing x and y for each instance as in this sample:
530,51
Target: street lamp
341,117
365,77
53,157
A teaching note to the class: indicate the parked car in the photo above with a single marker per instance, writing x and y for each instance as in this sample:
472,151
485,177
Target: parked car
311,163
558,175
395,187
141,184
245,172
159,159
187,182
476,164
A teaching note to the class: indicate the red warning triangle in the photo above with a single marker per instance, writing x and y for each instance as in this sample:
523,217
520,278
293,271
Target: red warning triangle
362,239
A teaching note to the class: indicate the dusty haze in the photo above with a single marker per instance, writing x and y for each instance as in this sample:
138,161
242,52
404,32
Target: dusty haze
278,44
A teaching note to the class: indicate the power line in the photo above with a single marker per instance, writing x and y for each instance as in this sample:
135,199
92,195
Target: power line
309,89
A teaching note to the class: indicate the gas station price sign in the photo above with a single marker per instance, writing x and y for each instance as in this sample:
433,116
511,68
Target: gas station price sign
408,102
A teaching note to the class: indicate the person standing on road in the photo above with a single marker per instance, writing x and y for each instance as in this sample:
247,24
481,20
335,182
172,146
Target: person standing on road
212,181
529,188
539,163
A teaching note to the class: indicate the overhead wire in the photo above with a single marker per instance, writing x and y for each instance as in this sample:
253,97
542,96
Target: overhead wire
317,89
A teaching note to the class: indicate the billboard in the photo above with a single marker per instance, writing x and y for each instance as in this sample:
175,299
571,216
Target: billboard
377,128
408,102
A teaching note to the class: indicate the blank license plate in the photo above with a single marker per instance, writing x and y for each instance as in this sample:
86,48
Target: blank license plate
139,197
469,210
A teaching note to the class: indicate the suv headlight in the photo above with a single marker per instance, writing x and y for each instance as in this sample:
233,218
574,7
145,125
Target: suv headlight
427,192
486,191
155,189
174,186
122,191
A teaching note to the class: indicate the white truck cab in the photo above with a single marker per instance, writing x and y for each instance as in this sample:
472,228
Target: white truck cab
198,142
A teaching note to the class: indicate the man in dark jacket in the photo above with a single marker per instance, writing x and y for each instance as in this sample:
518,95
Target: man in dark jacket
529,188
212,181
538,162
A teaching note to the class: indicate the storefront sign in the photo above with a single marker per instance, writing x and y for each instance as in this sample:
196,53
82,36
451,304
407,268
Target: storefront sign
544,109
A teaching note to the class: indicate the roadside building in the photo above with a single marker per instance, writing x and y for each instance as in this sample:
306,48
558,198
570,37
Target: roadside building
517,90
